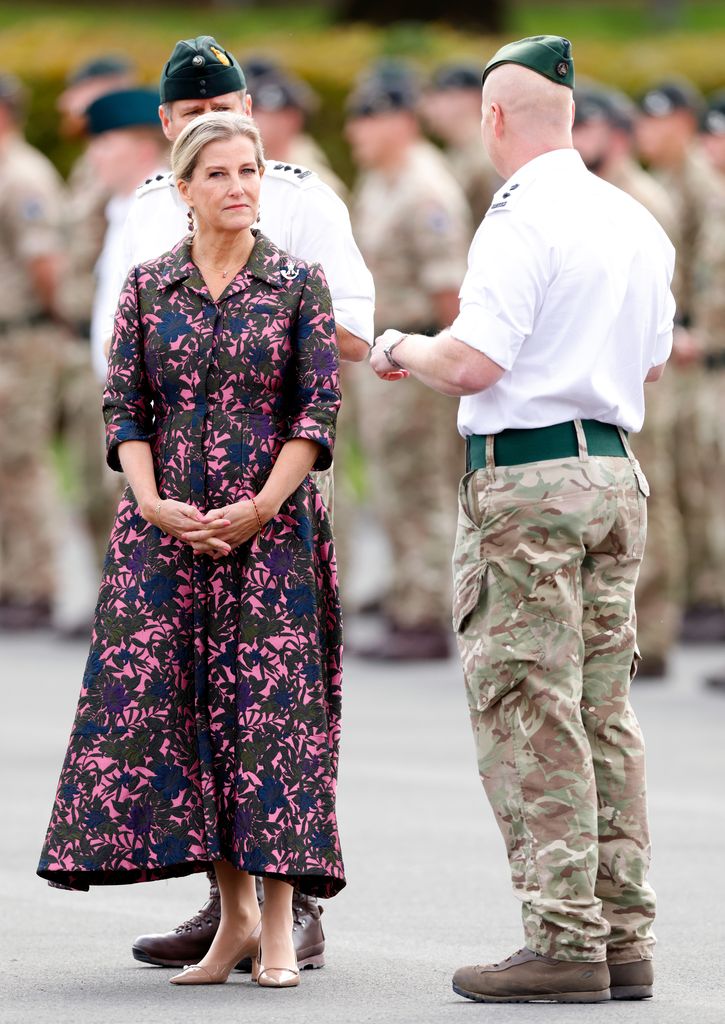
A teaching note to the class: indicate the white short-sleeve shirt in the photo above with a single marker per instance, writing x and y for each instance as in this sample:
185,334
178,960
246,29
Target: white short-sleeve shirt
568,290
298,212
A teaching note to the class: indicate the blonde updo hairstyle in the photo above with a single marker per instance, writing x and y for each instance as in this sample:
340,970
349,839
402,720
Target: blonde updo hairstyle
213,127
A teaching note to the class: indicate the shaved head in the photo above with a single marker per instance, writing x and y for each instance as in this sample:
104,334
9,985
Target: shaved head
524,115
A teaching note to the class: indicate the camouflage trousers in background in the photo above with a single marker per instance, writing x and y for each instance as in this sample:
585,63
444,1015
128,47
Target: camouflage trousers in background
326,486
545,567
30,360
414,462
660,591
700,475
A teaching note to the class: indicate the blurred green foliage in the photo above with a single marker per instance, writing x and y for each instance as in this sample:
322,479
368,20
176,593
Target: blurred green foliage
613,42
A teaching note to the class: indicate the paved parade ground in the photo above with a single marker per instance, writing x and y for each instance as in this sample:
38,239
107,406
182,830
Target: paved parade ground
427,890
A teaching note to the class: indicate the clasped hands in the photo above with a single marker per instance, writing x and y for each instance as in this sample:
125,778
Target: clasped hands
215,533
379,361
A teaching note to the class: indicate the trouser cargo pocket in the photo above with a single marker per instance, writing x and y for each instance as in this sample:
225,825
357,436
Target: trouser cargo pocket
496,638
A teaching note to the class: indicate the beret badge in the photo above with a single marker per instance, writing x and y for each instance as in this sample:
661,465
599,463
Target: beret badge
221,56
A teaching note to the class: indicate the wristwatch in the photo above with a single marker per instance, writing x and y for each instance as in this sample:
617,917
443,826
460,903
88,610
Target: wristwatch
388,352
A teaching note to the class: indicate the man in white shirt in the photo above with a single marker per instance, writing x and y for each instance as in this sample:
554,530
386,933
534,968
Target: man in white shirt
566,311
298,212
303,216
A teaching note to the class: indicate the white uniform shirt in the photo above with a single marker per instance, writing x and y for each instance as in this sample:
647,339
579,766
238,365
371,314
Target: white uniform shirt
567,289
298,212
106,293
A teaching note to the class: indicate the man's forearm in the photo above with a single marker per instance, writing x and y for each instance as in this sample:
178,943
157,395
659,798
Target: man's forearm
352,349
444,363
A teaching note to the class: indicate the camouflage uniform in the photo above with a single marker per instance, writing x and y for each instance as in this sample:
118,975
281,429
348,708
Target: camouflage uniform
81,390
691,189
709,312
413,234
548,650
30,220
660,590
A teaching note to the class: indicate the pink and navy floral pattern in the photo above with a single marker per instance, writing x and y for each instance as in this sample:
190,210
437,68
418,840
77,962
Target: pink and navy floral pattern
209,716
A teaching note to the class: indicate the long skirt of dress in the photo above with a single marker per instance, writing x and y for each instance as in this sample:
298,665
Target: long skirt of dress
208,722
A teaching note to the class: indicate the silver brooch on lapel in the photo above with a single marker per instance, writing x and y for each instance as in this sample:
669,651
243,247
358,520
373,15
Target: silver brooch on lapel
290,271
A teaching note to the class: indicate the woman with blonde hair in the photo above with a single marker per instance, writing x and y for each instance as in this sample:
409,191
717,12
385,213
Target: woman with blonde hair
208,723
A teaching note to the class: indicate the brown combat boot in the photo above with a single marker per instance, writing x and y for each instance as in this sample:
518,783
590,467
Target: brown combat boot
190,941
409,643
634,980
528,977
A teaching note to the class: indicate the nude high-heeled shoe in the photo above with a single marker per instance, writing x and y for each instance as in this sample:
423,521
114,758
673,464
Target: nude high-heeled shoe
217,974
274,977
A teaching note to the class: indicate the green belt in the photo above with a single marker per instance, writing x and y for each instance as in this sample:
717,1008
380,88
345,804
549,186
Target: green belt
516,447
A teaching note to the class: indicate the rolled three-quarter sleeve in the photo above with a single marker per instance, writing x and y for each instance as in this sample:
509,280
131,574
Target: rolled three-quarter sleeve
127,408
503,289
316,392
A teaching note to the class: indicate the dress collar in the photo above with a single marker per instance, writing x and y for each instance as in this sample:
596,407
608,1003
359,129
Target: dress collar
266,262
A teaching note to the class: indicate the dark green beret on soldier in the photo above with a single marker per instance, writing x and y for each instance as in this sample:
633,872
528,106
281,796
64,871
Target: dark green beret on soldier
549,56
200,69
126,108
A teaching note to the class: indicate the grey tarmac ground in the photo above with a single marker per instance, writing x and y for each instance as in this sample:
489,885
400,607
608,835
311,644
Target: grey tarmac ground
428,887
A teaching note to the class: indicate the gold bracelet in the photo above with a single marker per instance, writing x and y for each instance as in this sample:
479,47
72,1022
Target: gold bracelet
256,512
157,510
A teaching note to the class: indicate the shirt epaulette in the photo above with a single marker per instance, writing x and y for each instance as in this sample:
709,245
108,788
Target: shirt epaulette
505,198
302,177
158,181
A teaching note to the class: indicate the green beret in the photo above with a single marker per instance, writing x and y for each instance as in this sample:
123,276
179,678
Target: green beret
200,69
126,108
107,65
549,56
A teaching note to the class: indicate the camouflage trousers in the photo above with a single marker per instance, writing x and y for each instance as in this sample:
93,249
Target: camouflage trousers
29,367
661,585
545,567
414,461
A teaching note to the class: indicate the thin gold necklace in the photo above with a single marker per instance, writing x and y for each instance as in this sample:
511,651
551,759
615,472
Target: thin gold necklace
221,270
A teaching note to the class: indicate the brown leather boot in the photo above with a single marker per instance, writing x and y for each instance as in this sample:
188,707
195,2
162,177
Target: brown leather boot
307,933
634,980
528,977
190,941
414,643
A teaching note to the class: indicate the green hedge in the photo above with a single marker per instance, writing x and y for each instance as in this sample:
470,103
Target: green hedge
43,47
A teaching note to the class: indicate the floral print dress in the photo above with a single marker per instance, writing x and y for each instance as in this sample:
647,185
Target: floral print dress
209,716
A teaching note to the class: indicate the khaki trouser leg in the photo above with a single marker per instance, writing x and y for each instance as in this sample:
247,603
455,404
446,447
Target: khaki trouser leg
521,610
609,575
415,458
660,586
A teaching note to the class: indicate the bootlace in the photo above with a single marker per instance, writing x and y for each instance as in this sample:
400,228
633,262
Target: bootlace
508,958
200,918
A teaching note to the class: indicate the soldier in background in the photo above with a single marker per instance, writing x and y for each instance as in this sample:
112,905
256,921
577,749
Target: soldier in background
127,148
282,105
411,222
31,339
604,136
666,138
712,134
88,197
451,110
710,300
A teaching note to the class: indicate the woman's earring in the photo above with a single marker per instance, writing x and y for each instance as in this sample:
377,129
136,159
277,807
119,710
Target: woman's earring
259,214
190,221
